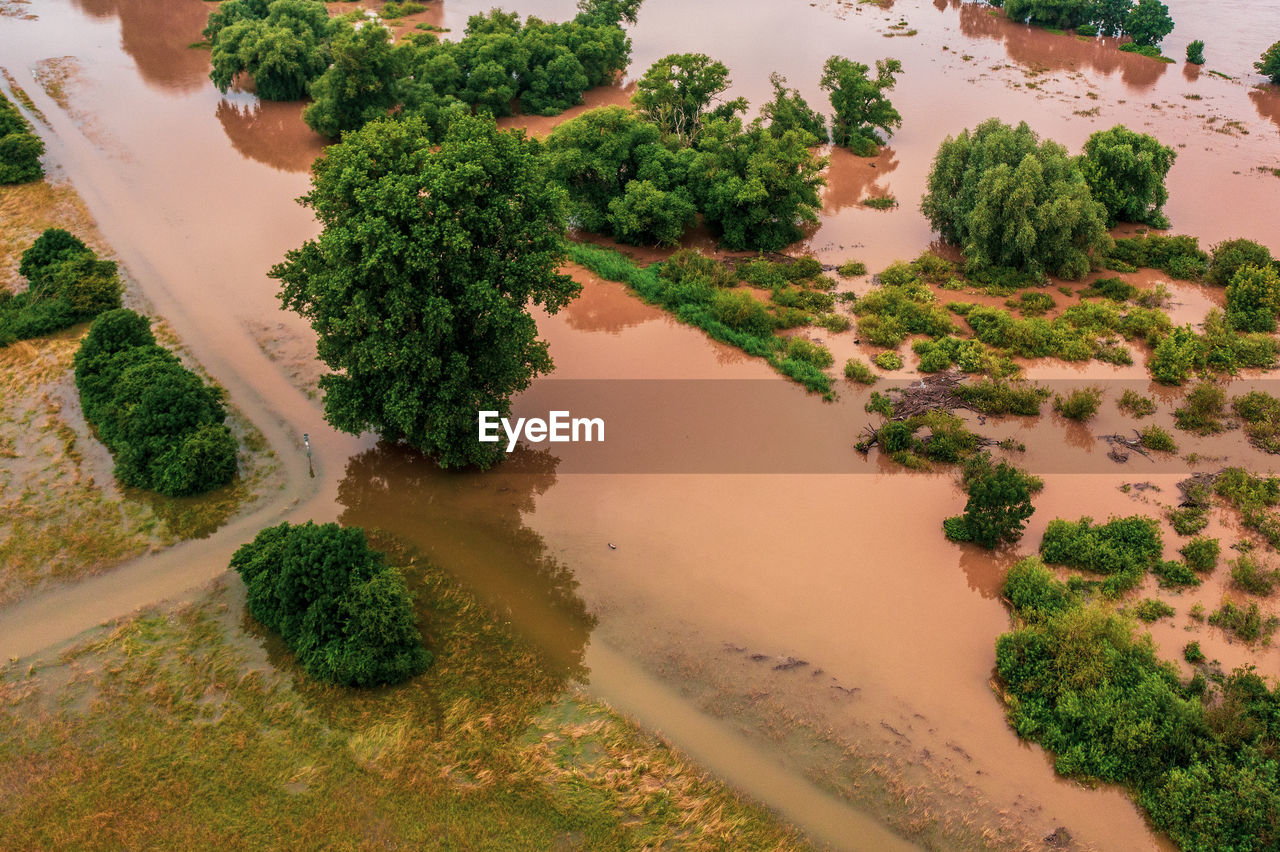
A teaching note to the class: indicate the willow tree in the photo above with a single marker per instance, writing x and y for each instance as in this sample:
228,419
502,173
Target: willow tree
420,283
1125,171
1008,199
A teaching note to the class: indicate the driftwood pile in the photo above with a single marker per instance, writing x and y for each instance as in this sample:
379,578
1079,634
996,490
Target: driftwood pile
933,392
1119,445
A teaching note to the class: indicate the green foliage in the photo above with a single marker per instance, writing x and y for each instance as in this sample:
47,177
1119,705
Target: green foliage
861,109
163,424
742,311
1126,172
1254,497
20,147
1148,50
999,501
852,269
1246,622
790,111
1261,415
1009,200
645,214
284,49
1188,520
1268,64
1248,575
806,351
1033,591
1253,299
1155,438
857,371
888,361
1152,609
1174,356
1180,256
1201,553
1231,255
1174,574
343,610
67,284
391,9
1202,410
1134,403
997,397
682,91
361,84
1123,548
1195,52
1192,654
1149,23
755,190
1032,303
419,288
1081,404
1078,334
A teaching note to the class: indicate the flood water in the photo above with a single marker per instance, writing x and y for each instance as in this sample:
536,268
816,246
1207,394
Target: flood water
810,637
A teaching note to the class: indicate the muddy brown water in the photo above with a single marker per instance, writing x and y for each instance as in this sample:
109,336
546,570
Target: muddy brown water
731,613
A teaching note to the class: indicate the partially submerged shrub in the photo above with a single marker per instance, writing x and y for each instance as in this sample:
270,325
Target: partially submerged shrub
1245,622
857,371
852,269
1081,404
1261,415
335,601
1134,403
998,506
1201,553
1123,548
888,361
1202,410
1248,575
1155,438
997,397
1151,609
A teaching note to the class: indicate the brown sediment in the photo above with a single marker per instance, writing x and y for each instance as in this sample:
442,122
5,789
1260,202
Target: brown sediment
848,572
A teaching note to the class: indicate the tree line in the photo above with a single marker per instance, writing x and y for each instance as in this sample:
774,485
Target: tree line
20,147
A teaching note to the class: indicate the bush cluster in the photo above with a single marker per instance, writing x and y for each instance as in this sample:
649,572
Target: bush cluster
1147,22
1123,549
20,147
163,424
998,506
1080,404
66,284
343,610
1082,681
1261,415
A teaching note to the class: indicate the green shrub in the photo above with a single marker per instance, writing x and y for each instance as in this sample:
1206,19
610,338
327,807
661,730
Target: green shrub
1123,548
888,361
743,312
1201,553
857,371
834,323
1080,404
1195,52
1155,438
1188,520
1115,289
1151,609
1192,654
1249,576
67,284
1261,415
852,269
1174,574
1148,50
1246,622
1134,403
392,9
161,422
1269,63
20,147
1180,256
1032,303
1253,299
997,398
337,603
1230,256
1033,592
801,349
1202,409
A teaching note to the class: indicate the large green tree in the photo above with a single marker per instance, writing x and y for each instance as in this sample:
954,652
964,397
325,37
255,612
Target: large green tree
1148,23
756,190
1007,199
861,109
420,283
1126,172
681,91
362,82
998,506
283,51
790,111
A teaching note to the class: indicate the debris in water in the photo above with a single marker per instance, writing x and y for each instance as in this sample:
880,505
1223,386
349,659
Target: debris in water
789,663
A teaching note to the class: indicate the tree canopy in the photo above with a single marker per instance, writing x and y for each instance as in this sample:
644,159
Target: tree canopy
361,84
998,506
1148,23
1126,172
420,282
336,602
861,109
1253,299
283,45
681,91
790,111
1268,64
1008,199
66,283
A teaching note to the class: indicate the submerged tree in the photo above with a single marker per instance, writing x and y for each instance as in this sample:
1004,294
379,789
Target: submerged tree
1253,299
1195,52
790,111
1008,199
681,91
998,506
756,189
860,106
1148,23
420,283
1126,172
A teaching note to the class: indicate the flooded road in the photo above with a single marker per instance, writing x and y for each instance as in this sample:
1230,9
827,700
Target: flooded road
811,638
